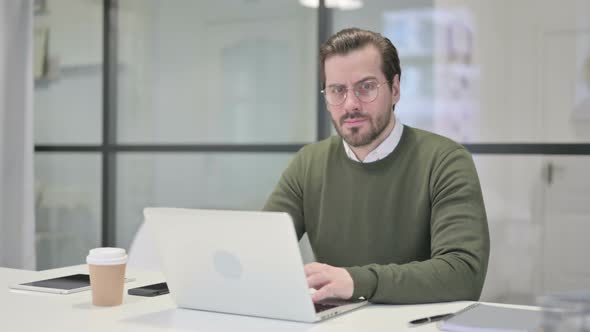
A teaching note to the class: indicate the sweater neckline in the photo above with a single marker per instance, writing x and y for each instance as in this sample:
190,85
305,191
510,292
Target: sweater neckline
379,163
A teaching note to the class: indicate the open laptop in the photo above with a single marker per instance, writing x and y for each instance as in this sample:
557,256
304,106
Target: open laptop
240,262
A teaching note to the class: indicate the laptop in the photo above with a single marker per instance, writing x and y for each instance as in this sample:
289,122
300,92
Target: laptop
239,262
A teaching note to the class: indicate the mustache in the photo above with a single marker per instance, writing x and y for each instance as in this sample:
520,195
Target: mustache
351,115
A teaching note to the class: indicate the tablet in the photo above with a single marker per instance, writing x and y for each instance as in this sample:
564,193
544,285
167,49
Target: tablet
62,285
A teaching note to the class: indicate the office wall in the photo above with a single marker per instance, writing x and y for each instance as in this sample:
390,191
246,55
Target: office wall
504,72
189,69
510,74
189,72
68,102
68,111
528,72
222,72
67,207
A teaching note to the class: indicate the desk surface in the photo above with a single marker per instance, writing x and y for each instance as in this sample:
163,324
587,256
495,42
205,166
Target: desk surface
32,311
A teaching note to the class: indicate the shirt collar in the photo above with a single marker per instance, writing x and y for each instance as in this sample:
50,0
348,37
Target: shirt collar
382,150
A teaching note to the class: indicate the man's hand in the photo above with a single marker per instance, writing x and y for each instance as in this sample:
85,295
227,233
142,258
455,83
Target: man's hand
329,281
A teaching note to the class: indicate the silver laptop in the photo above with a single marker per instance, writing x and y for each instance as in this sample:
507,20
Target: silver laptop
239,262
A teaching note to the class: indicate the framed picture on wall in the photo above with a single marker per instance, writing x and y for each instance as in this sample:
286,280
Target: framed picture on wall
581,110
41,51
40,7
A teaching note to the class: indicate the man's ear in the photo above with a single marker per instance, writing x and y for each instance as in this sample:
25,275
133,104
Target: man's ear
395,89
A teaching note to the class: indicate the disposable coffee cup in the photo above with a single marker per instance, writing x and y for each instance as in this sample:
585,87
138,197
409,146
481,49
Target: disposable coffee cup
107,275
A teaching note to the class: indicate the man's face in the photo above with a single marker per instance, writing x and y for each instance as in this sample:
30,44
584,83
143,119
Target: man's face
360,123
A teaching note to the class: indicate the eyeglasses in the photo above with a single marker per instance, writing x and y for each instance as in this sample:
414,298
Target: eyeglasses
366,91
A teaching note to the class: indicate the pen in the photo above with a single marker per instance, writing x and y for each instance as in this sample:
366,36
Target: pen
441,317
430,319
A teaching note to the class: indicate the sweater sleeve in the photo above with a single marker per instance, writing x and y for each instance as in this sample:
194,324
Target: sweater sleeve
459,244
288,194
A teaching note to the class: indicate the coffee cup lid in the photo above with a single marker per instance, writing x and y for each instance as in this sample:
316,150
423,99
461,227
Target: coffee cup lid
106,256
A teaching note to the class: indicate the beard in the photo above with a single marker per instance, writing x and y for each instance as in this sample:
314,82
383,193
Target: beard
353,136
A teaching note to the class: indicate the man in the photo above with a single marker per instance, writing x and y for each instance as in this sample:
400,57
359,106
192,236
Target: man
394,214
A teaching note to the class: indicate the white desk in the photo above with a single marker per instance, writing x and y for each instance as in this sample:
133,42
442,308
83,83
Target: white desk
31,311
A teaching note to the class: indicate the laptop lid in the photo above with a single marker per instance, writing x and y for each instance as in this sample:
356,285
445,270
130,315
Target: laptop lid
240,262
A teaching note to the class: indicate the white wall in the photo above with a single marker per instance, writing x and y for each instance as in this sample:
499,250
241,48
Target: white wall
176,87
173,60
526,62
516,85
198,72
68,108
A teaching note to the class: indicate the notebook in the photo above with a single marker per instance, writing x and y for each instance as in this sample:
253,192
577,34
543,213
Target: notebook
489,318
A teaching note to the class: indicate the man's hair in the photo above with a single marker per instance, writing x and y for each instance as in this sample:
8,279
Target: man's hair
351,39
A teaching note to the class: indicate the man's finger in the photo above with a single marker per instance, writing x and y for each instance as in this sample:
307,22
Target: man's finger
313,268
318,280
322,293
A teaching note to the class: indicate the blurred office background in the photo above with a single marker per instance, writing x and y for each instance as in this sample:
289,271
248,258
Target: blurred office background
203,103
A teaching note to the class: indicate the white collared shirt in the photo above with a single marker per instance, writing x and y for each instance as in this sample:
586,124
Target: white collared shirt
384,149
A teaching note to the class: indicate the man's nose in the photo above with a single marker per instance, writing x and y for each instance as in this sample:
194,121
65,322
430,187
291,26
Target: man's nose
352,102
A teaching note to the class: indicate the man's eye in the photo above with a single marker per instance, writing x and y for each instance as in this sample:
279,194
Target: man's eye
368,86
337,89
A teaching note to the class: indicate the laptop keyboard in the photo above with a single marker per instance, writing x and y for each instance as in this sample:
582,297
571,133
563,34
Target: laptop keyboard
319,307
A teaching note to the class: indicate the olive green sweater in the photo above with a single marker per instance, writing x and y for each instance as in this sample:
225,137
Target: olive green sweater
409,228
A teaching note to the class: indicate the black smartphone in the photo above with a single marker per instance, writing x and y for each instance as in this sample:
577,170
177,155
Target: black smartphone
150,290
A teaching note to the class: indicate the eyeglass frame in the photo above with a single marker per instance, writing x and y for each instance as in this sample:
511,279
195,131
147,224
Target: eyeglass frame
379,84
